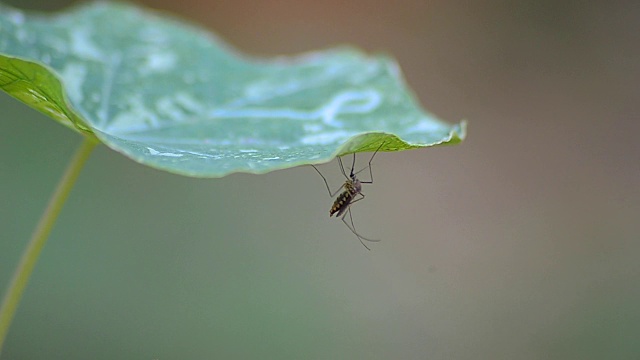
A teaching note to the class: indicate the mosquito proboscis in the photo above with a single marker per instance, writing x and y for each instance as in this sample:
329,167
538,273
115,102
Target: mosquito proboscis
351,194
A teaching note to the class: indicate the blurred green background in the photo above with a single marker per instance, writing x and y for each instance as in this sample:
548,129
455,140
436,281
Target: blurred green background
523,242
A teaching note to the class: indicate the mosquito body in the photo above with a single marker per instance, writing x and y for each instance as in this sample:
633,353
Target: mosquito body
352,187
351,193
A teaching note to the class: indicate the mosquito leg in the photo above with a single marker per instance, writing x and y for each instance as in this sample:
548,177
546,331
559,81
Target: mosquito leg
352,226
342,168
353,230
370,171
331,194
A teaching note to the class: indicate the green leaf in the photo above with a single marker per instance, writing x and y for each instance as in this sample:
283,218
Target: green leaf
174,97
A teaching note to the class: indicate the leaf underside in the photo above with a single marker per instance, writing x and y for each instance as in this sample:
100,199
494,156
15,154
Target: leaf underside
175,97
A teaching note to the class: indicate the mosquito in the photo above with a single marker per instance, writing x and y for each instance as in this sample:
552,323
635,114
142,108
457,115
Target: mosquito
352,189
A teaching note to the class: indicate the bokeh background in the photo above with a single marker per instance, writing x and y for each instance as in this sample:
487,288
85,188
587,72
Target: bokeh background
523,242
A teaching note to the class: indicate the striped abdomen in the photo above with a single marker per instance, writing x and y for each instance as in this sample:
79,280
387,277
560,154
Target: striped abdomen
343,200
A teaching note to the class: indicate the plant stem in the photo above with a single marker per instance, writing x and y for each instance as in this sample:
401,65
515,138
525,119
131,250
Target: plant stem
39,237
